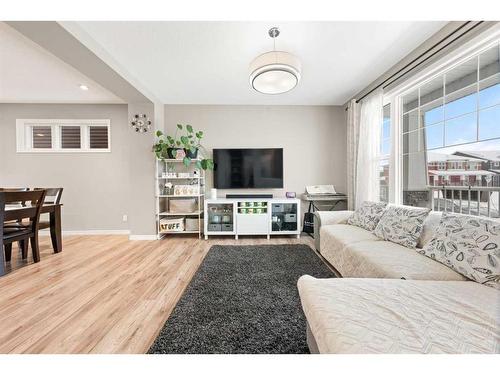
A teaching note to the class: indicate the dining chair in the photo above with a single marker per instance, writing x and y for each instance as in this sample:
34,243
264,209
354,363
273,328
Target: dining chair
52,196
22,232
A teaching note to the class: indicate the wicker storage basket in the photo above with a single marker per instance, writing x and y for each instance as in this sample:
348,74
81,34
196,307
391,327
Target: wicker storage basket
192,224
183,205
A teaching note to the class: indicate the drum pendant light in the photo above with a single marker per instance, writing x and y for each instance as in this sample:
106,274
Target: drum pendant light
275,72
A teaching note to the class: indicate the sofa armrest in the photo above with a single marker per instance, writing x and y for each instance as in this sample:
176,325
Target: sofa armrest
328,218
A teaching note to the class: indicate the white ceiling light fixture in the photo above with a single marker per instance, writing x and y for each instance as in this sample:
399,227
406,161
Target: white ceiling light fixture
275,72
84,87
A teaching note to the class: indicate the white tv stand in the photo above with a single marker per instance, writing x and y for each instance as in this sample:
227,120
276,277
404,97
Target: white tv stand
252,216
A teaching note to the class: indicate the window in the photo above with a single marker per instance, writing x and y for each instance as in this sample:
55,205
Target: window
385,152
63,135
450,128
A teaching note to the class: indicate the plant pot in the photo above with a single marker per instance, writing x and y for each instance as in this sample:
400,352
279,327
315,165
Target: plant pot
191,155
172,152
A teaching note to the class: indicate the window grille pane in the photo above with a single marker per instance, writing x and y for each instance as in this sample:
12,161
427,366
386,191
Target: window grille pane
432,91
461,102
434,136
489,63
410,121
410,101
489,123
489,92
432,113
98,137
461,130
70,137
42,136
461,76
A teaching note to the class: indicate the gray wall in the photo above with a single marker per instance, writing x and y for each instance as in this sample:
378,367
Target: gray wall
313,138
100,188
141,165
96,193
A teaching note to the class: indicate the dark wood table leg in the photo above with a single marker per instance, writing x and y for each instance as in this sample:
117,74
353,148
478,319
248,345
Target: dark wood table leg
2,258
2,219
55,229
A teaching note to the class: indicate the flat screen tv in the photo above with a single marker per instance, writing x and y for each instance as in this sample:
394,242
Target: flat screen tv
248,168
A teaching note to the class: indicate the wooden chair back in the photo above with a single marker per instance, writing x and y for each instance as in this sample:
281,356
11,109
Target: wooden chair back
52,195
14,189
31,201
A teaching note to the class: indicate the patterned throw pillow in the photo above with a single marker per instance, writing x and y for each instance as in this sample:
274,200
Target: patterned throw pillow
469,245
402,225
368,215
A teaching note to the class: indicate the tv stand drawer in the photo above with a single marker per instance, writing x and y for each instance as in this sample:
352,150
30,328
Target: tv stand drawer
252,224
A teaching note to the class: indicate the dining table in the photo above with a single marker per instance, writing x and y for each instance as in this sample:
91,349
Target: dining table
54,211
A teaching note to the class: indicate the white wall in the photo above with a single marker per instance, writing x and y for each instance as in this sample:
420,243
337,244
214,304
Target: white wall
313,138
96,185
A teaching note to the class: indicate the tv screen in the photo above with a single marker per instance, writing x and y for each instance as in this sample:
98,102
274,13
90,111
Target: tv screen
246,168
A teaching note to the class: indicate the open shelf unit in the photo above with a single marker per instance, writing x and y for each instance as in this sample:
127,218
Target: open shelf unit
175,172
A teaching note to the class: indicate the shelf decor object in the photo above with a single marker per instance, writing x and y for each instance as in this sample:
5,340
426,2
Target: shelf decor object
179,197
187,147
140,123
275,72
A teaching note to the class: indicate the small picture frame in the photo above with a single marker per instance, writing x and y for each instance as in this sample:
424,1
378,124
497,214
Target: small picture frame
291,194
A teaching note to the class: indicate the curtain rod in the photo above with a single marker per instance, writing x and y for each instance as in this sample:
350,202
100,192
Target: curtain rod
392,78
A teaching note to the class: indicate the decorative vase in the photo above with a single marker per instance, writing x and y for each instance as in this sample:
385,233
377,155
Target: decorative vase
172,152
213,193
191,155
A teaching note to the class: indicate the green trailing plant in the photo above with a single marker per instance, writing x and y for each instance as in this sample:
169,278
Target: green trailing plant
190,141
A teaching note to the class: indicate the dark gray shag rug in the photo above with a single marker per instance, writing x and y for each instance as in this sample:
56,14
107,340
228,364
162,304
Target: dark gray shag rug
243,299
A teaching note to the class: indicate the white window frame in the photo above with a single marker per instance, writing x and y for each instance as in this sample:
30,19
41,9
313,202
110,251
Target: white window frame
395,96
24,141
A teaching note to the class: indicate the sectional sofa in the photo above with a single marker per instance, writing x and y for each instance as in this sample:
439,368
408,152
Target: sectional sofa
391,299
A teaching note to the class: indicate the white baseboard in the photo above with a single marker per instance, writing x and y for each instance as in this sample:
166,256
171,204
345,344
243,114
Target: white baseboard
142,237
94,232
102,232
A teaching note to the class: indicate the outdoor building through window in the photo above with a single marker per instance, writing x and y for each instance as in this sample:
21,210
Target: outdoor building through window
451,138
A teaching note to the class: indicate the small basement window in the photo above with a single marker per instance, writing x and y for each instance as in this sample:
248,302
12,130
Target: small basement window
43,135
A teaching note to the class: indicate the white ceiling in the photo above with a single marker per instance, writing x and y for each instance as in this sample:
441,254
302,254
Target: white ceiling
30,74
207,62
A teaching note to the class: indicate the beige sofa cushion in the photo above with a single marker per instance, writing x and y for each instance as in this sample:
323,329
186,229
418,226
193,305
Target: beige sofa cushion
469,245
401,316
335,237
324,218
383,259
402,225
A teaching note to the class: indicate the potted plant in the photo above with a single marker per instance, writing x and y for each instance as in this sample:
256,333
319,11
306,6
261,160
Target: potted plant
167,147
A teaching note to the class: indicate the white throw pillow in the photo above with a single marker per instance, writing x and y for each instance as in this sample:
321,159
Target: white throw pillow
367,215
402,225
469,245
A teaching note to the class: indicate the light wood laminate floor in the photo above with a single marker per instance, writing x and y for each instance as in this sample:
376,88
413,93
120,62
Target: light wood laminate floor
102,294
